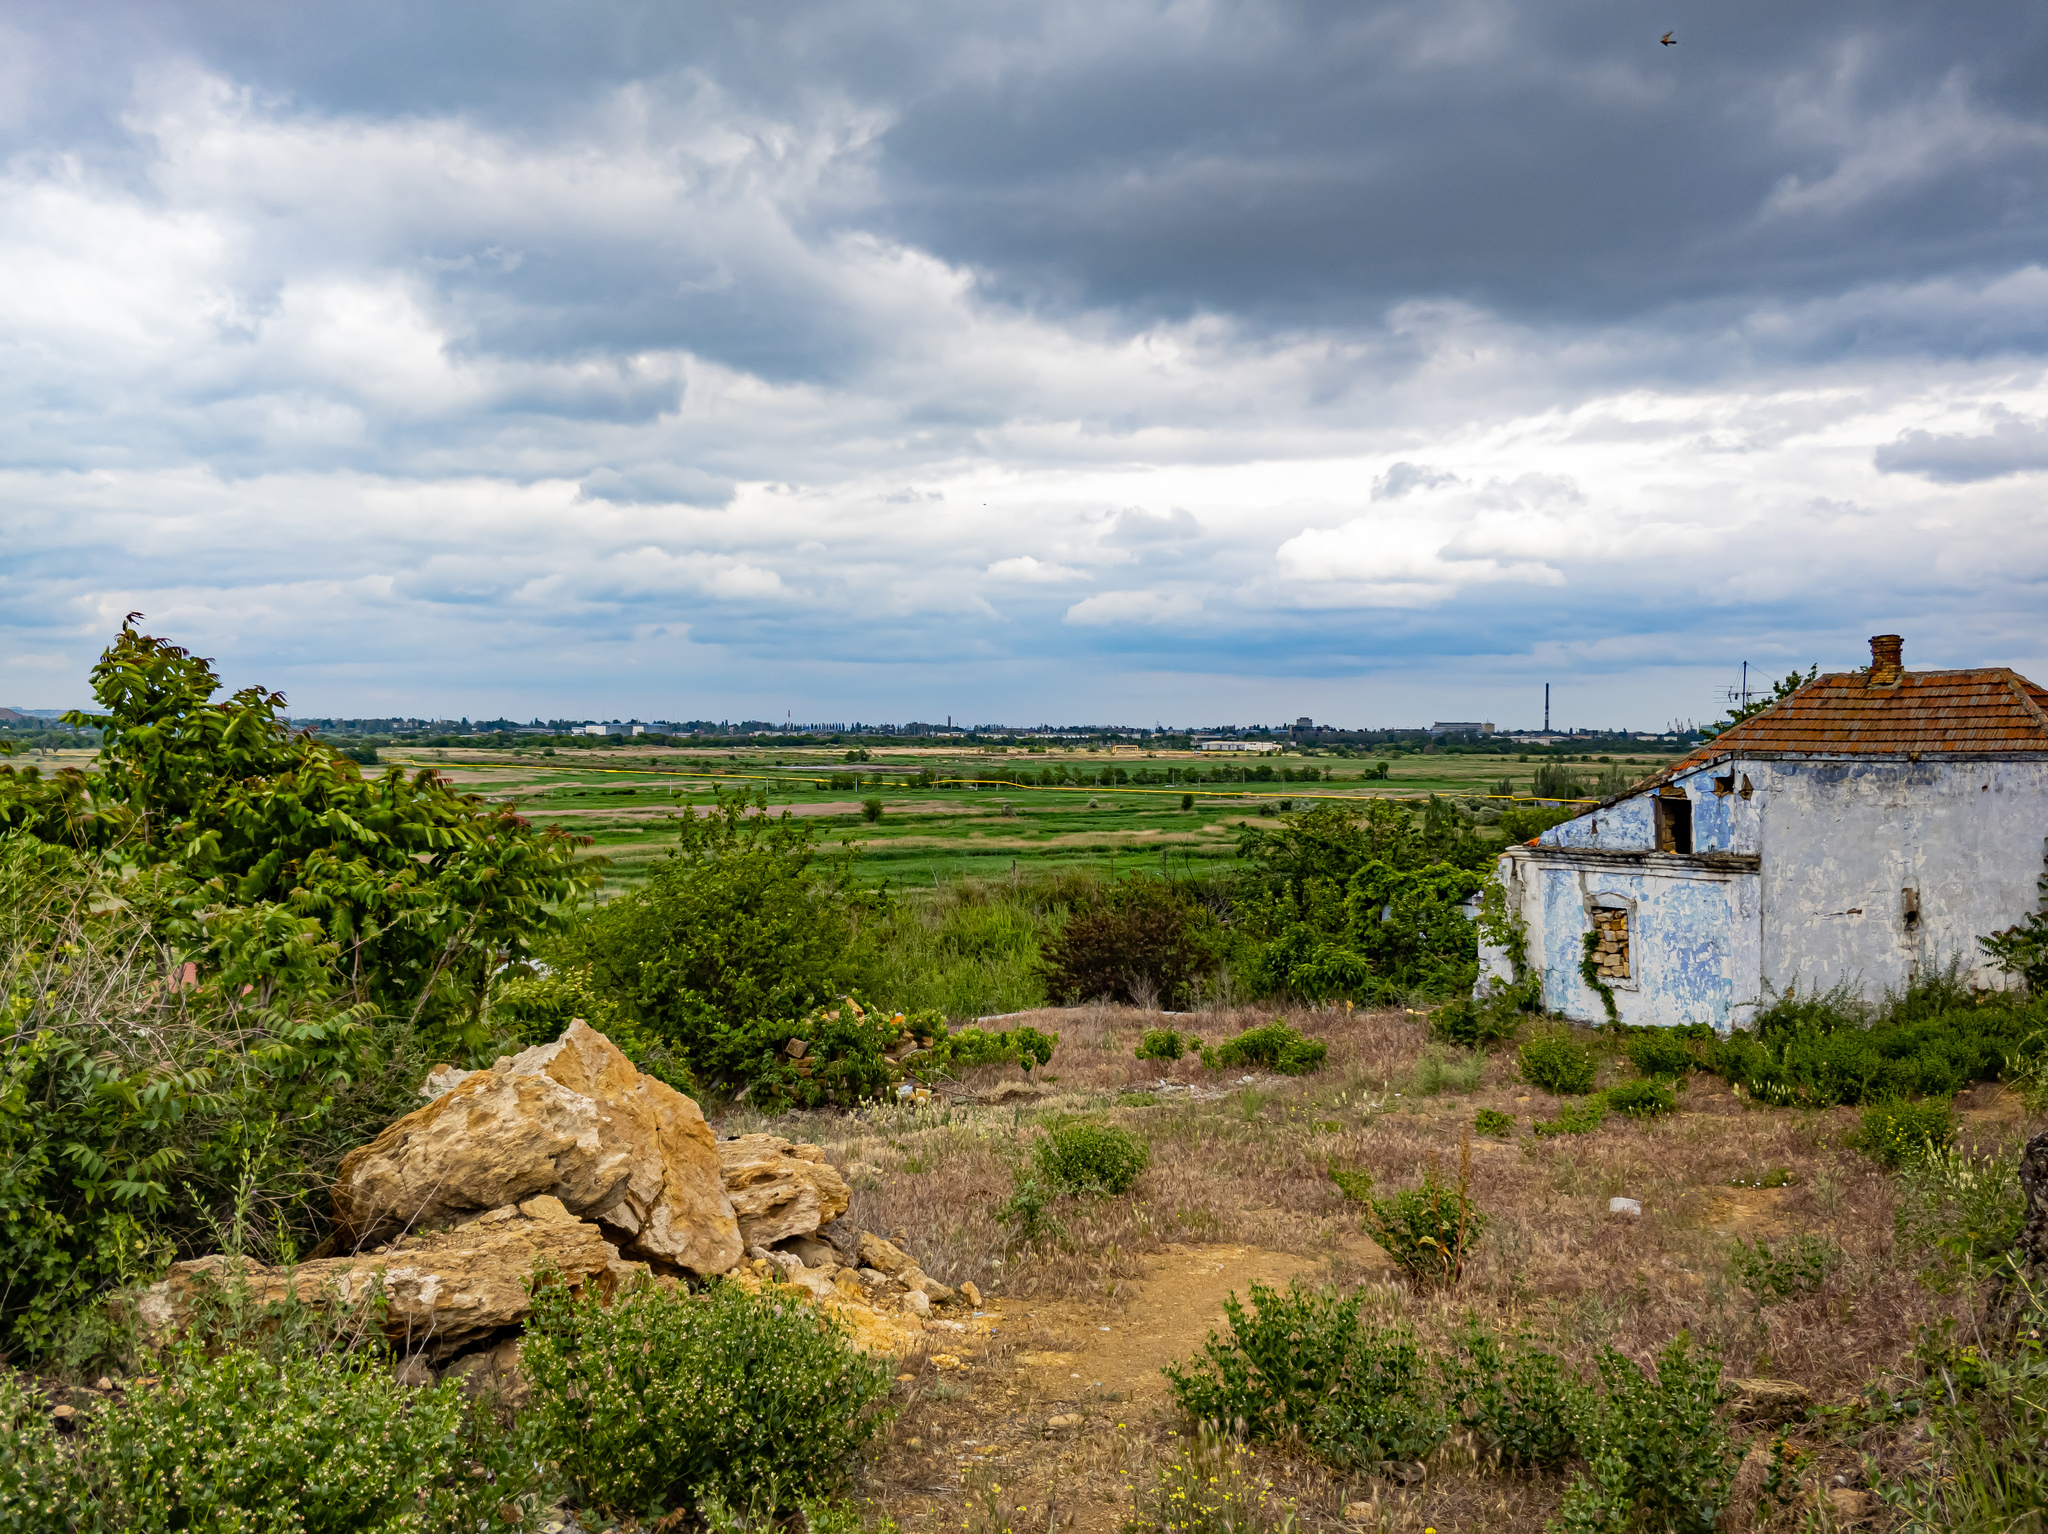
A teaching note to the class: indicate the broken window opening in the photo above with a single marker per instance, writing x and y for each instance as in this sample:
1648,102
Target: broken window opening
1909,908
1746,790
1723,787
1674,825
1610,944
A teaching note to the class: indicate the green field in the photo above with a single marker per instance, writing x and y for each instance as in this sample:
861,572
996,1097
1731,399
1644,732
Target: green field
979,821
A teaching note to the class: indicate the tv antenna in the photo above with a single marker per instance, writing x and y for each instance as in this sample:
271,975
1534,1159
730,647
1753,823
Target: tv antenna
1740,695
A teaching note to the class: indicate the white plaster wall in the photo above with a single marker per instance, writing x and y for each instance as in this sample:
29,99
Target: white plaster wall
1843,839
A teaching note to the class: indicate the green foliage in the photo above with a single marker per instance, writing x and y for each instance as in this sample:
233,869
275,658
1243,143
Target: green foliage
1276,1046
321,1442
1491,1121
1558,1063
972,949
1303,1365
740,922
1573,1119
1985,1469
1665,1051
1820,1048
1356,1186
39,1484
1790,1269
1657,1458
1522,1408
219,807
1429,1230
1959,1208
1641,1099
871,810
1083,1157
1524,823
535,1009
1022,1047
1139,941
1357,902
1896,1132
1028,1209
844,1061
1166,1044
1478,1022
661,1399
1589,971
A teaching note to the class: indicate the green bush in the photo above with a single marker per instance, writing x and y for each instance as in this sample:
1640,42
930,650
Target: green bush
1491,1121
1573,1119
1792,1268
1028,1209
1356,1186
1302,1365
1822,1048
327,1443
1960,1208
1138,941
1021,1047
740,922
1657,1457
1894,1133
39,1482
1276,1046
1429,1230
1091,1158
1438,1070
871,810
1523,1409
1642,1099
1163,1044
1558,1063
660,1400
1479,1023
1662,1051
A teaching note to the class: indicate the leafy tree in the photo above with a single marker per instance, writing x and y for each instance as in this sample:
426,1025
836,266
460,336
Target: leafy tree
425,892
742,920
1138,938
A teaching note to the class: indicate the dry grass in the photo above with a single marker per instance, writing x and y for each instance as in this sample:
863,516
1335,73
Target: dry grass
1245,1158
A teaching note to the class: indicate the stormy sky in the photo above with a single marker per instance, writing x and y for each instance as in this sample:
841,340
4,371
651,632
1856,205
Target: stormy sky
1192,362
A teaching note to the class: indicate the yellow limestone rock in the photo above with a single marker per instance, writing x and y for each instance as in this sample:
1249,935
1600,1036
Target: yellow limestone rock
573,1121
780,1188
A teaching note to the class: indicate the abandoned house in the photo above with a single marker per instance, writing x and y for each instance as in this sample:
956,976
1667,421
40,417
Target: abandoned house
1872,825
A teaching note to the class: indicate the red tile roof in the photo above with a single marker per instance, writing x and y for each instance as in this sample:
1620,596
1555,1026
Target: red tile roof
1924,713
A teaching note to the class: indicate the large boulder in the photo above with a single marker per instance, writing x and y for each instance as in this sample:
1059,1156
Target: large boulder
447,1290
780,1188
573,1120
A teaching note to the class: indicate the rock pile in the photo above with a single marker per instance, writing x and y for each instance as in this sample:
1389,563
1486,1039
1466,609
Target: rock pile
565,1157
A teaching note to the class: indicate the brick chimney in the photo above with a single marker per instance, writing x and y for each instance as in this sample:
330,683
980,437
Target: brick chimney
1886,659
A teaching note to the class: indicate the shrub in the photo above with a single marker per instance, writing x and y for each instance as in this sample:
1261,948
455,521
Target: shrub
1141,941
1428,1230
1302,1364
871,810
1021,1047
1091,1158
1478,1022
1894,1133
1967,1208
1573,1119
1163,1044
1660,1051
39,1483
1027,1210
1356,1186
1275,1046
740,922
844,1062
1792,1268
659,1399
1491,1121
1522,1409
1656,1457
1558,1063
1642,1099
240,1440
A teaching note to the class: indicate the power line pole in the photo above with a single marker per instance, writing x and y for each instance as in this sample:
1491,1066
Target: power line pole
1546,708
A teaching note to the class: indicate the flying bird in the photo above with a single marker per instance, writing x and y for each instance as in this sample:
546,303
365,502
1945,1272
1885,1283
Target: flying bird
1669,39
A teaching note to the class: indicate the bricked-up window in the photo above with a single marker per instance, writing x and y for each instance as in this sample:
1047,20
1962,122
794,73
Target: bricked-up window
1674,824
1610,945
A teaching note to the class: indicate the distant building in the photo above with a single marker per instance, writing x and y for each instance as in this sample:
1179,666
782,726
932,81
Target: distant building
614,728
1461,727
1260,746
